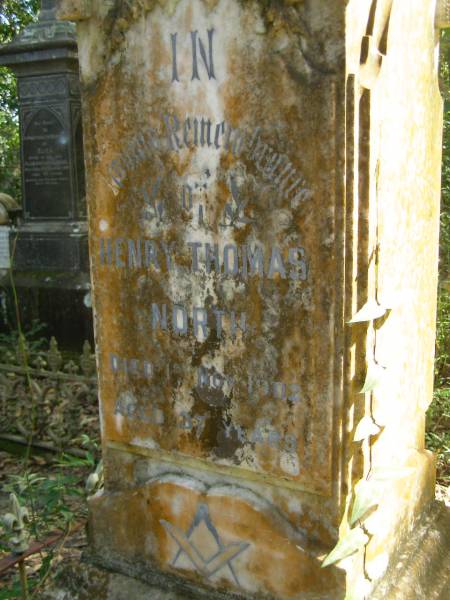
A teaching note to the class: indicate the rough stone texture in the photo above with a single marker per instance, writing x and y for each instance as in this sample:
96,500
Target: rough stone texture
420,571
303,139
421,566
285,312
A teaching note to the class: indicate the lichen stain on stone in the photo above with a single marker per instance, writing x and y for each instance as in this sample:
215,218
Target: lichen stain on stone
272,545
261,301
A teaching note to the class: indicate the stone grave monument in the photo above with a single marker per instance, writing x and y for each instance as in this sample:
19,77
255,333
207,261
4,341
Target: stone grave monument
263,191
49,249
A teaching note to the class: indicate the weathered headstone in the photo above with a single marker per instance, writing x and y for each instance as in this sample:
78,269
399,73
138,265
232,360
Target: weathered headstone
50,247
44,58
259,175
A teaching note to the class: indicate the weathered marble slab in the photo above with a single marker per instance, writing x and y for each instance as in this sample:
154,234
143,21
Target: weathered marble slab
214,246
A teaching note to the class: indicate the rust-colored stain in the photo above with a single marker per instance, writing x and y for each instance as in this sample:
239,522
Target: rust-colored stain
254,179
240,394
262,553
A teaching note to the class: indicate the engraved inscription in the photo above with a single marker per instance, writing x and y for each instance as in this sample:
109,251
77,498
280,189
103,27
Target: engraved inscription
197,49
209,231
191,133
46,166
205,560
228,260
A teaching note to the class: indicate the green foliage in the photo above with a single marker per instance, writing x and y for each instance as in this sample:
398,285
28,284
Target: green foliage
438,416
9,142
367,498
12,592
53,501
354,540
46,499
34,341
14,16
438,432
374,377
442,363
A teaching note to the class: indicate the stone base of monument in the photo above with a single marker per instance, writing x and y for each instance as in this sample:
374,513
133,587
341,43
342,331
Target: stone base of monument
60,300
420,571
85,581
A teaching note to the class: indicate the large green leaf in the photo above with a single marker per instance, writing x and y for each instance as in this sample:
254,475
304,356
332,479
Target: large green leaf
353,541
369,312
374,376
366,428
368,492
367,497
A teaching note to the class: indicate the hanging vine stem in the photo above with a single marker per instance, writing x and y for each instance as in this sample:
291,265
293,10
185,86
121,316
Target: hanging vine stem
24,358
23,580
42,581
377,285
21,339
374,348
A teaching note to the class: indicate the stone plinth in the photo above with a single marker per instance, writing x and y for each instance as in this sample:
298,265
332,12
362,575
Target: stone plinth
259,176
418,571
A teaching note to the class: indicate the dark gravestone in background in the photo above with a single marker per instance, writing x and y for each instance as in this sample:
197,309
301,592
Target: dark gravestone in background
46,165
50,246
79,166
52,147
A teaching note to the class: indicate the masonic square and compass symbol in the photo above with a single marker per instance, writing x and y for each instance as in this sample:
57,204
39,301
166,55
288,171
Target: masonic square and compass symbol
213,555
